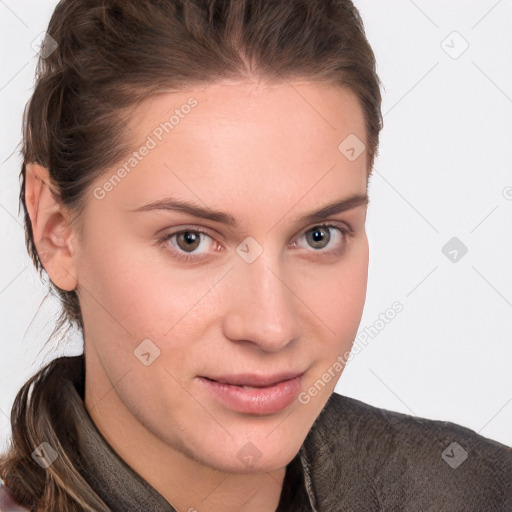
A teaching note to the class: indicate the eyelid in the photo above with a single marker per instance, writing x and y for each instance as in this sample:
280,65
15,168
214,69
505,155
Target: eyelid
169,231
329,223
200,229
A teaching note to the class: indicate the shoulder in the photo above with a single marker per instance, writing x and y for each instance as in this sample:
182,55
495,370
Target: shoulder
7,502
420,463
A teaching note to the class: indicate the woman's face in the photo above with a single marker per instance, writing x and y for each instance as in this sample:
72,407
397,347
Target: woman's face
257,289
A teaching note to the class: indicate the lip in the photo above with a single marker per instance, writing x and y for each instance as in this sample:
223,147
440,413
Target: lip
255,380
267,395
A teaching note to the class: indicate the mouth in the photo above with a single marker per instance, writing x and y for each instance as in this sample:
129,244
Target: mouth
254,394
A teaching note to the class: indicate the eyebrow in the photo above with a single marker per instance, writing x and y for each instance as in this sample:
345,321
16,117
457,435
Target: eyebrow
173,204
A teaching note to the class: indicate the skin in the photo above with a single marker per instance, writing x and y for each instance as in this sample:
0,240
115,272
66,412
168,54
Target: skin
267,155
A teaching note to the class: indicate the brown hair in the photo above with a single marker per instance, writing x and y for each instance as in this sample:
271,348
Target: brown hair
111,55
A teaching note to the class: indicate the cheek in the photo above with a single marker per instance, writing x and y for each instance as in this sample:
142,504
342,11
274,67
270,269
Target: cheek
134,292
339,306
337,294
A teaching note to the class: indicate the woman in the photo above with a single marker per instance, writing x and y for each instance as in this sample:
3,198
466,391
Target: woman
195,185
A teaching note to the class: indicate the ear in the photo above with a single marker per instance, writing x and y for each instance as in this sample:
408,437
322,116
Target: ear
51,228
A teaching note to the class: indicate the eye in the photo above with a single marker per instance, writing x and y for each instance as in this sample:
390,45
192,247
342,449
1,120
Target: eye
195,245
325,236
184,244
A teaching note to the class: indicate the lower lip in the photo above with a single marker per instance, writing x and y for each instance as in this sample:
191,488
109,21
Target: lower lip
267,400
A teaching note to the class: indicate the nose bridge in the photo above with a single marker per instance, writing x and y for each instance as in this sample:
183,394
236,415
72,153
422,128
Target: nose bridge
262,307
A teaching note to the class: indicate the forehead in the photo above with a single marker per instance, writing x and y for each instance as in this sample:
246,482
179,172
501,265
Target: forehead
232,142
307,111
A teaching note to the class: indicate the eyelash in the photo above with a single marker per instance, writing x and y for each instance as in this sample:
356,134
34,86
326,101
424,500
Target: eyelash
185,257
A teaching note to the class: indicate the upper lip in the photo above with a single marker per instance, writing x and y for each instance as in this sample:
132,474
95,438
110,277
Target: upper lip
255,380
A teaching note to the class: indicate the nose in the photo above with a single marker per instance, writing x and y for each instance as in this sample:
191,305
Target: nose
262,307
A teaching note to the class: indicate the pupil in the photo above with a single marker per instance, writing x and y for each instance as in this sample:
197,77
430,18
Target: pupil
319,237
191,240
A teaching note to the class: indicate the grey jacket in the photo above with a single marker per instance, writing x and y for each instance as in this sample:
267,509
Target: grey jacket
355,458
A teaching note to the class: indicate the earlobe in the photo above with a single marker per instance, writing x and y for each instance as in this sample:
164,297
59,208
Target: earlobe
51,228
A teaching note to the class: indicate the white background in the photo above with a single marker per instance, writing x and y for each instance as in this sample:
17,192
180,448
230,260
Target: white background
444,171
